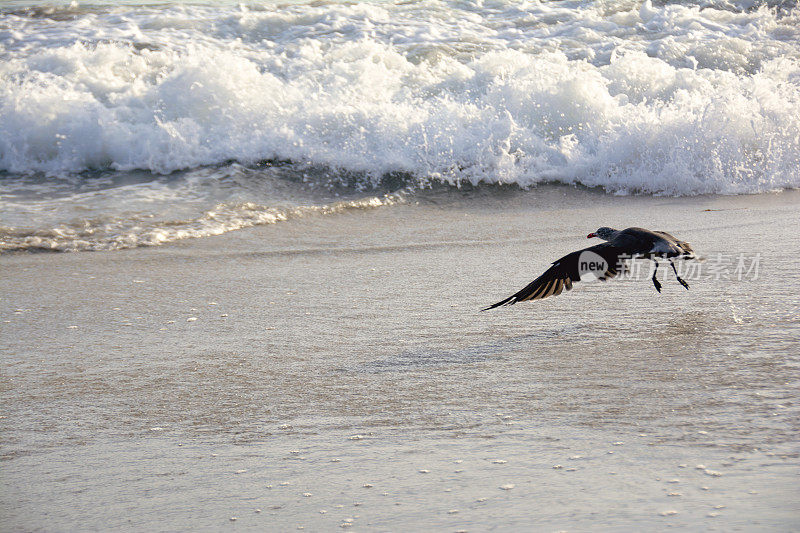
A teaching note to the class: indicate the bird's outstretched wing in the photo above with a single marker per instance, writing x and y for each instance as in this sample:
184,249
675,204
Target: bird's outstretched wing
563,273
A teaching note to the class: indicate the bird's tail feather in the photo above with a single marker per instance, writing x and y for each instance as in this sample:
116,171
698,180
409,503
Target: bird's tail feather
688,252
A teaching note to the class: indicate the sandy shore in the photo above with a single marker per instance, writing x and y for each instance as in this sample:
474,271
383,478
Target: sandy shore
335,371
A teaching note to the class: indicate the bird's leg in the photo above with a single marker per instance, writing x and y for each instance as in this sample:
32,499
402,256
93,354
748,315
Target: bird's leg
680,280
655,281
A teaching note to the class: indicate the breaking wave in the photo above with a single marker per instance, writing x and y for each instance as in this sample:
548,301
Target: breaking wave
672,98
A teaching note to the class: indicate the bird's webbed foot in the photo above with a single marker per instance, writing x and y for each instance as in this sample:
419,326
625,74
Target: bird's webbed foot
680,280
656,283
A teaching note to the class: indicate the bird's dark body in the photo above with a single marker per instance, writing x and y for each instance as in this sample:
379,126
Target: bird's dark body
620,245
659,243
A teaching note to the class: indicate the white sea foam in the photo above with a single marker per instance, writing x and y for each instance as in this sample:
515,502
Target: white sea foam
97,102
119,232
630,96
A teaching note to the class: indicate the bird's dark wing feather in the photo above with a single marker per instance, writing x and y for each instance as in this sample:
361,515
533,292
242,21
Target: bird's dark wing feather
562,274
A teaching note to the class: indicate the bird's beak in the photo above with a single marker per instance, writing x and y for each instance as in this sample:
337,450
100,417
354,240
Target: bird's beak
591,235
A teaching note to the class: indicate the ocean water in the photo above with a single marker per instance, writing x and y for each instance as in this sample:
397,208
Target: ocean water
124,124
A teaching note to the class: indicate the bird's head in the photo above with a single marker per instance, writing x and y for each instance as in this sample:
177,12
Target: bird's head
604,233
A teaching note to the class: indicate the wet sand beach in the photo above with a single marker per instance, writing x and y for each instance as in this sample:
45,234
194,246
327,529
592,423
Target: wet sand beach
335,371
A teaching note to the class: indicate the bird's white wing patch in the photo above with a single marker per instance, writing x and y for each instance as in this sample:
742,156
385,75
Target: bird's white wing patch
663,247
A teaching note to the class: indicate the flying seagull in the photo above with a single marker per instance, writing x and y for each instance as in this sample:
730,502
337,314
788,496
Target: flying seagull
604,261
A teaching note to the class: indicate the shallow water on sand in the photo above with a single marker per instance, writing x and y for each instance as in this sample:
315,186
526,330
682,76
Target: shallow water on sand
340,364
